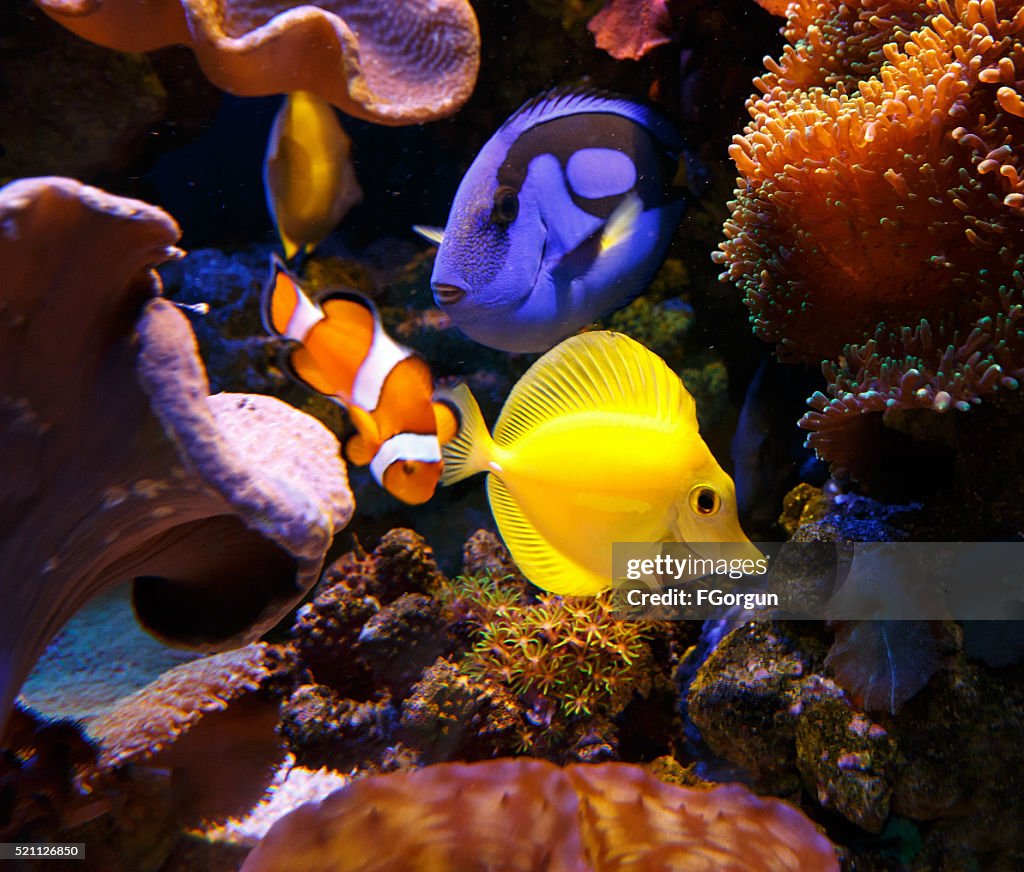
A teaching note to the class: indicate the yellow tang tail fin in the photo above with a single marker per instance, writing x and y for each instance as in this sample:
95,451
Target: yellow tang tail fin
471,450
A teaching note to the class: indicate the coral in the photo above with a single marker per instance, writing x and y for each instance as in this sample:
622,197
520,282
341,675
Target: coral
571,651
761,701
208,722
629,29
404,562
950,757
878,214
370,624
101,656
393,63
484,554
117,464
881,663
401,640
745,702
325,630
153,718
528,815
322,729
449,716
803,505
958,765
846,761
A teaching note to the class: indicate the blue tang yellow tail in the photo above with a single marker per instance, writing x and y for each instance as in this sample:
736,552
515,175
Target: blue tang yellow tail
564,215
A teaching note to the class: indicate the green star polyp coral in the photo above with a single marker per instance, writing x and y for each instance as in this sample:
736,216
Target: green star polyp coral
877,225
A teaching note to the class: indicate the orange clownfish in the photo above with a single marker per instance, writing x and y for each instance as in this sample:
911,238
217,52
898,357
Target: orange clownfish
338,347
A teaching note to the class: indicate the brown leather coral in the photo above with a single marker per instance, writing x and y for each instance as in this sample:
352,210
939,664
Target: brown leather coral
879,215
116,463
527,815
394,62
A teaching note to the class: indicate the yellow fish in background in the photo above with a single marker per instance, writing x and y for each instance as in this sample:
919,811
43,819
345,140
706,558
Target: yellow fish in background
307,174
338,347
597,443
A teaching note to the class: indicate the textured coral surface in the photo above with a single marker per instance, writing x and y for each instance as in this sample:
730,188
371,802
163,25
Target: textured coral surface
529,815
393,63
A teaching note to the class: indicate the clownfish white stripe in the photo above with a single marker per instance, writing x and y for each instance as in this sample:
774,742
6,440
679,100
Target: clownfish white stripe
305,317
405,446
384,355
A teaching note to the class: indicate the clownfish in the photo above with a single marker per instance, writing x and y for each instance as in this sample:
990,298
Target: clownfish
565,215
308,176
597,443
338,348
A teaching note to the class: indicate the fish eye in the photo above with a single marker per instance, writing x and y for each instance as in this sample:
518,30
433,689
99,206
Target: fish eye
704,500
409,467
506,206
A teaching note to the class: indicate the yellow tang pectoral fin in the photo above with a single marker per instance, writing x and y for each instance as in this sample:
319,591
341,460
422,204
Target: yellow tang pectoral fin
447,422
362,447
538,560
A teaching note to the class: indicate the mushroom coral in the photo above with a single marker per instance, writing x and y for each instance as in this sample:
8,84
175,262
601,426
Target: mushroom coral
523,814
116,463
879,213
395,62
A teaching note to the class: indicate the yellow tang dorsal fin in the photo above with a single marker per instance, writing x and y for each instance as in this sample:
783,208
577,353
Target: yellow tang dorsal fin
595,372
534,555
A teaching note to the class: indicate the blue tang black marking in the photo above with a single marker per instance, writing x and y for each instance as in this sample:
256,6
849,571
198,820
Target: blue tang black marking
564,216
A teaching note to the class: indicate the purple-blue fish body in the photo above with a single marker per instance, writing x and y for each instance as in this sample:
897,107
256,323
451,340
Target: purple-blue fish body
564,216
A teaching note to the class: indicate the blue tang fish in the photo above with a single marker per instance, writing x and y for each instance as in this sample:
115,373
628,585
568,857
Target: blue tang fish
564,216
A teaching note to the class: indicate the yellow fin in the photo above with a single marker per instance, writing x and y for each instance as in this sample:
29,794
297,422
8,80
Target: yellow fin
621,222
595,372
470,451
536,558
446,421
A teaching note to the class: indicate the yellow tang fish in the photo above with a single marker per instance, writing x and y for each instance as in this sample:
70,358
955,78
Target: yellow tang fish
338,347
307,173
597,443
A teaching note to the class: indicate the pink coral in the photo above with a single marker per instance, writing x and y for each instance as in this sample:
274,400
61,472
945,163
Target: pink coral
629,29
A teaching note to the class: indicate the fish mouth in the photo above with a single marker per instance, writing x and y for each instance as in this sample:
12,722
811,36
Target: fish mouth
448,295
